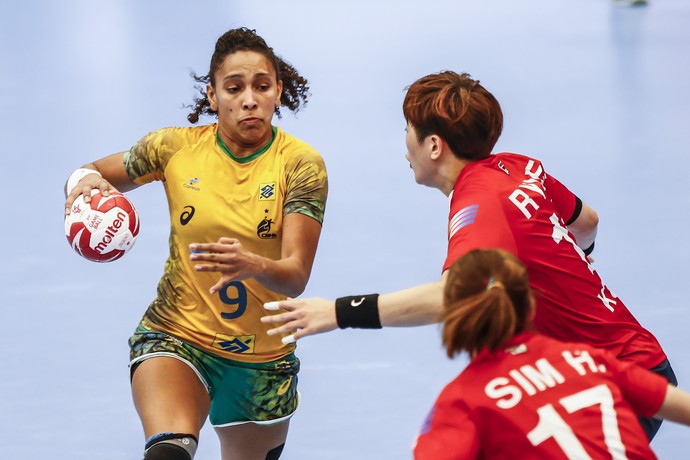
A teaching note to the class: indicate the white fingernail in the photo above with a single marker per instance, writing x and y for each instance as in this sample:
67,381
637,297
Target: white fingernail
271,306
288,340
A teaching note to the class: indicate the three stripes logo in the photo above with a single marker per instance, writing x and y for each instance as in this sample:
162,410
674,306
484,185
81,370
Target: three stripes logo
466,216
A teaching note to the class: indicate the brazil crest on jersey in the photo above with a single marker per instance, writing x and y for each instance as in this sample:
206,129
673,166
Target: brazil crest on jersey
212,194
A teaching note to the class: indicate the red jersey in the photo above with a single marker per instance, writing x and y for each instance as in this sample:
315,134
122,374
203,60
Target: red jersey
507,201
540,398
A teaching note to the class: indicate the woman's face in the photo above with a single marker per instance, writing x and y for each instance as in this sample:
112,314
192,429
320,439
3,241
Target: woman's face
245,97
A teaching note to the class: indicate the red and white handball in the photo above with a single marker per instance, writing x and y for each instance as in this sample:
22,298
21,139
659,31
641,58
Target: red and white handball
104,229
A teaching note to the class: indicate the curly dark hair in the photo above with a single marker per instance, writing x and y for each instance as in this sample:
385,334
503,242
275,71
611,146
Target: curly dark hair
295,89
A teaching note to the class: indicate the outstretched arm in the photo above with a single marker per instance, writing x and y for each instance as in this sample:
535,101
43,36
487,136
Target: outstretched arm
676,406
415,306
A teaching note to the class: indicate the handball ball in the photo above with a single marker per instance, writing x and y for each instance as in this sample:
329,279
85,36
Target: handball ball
104,229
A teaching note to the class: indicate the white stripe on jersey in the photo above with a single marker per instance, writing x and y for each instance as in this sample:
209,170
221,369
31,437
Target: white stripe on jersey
462,218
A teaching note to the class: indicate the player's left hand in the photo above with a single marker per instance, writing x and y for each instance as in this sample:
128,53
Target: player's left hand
228,257
301,317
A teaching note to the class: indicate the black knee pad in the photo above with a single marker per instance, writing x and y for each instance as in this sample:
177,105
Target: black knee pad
274,454
170,446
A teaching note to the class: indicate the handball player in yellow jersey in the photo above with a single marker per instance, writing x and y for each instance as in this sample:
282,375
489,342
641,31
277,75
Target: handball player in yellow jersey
247,202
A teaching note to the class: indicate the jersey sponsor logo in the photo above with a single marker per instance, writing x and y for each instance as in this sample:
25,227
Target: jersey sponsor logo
462,218
187,214
267,191
191,184
263,230
503,168
242,344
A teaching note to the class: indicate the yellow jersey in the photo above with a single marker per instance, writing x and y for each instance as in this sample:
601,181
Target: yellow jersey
213,194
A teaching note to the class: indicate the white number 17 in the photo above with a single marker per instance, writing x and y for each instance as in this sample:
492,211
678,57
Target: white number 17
551,425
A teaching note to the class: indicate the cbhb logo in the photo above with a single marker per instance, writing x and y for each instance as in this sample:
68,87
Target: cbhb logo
263,230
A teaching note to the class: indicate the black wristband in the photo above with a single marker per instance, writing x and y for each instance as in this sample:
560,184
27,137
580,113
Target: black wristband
589,250
360,311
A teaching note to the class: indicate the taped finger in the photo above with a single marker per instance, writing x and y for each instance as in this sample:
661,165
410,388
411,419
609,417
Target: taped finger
273,306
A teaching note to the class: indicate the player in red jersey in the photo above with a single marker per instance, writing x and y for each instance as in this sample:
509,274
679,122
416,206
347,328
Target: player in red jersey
508,201
530,396
504,201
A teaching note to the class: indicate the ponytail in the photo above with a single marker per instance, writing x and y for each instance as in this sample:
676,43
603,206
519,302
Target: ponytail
487,301
485,320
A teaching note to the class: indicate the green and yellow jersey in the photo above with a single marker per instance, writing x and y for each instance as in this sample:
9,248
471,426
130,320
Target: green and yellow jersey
212,194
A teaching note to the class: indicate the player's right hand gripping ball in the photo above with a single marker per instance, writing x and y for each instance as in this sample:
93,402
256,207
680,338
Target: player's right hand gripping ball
104,229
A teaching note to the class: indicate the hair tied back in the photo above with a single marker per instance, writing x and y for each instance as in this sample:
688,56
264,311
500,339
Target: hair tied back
492,282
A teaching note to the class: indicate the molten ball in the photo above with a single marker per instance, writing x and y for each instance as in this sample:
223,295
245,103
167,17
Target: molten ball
104,229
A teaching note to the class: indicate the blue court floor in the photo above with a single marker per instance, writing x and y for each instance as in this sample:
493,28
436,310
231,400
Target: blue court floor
599,92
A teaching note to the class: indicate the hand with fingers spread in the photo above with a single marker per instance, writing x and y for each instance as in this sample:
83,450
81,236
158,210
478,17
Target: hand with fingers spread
228,257
82,182
301,317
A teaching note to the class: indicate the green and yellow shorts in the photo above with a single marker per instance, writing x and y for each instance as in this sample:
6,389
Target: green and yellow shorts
262,393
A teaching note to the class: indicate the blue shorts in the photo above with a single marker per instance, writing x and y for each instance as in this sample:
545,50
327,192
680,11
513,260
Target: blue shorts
263,393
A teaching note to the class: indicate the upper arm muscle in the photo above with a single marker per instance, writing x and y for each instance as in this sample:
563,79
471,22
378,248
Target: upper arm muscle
112,168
